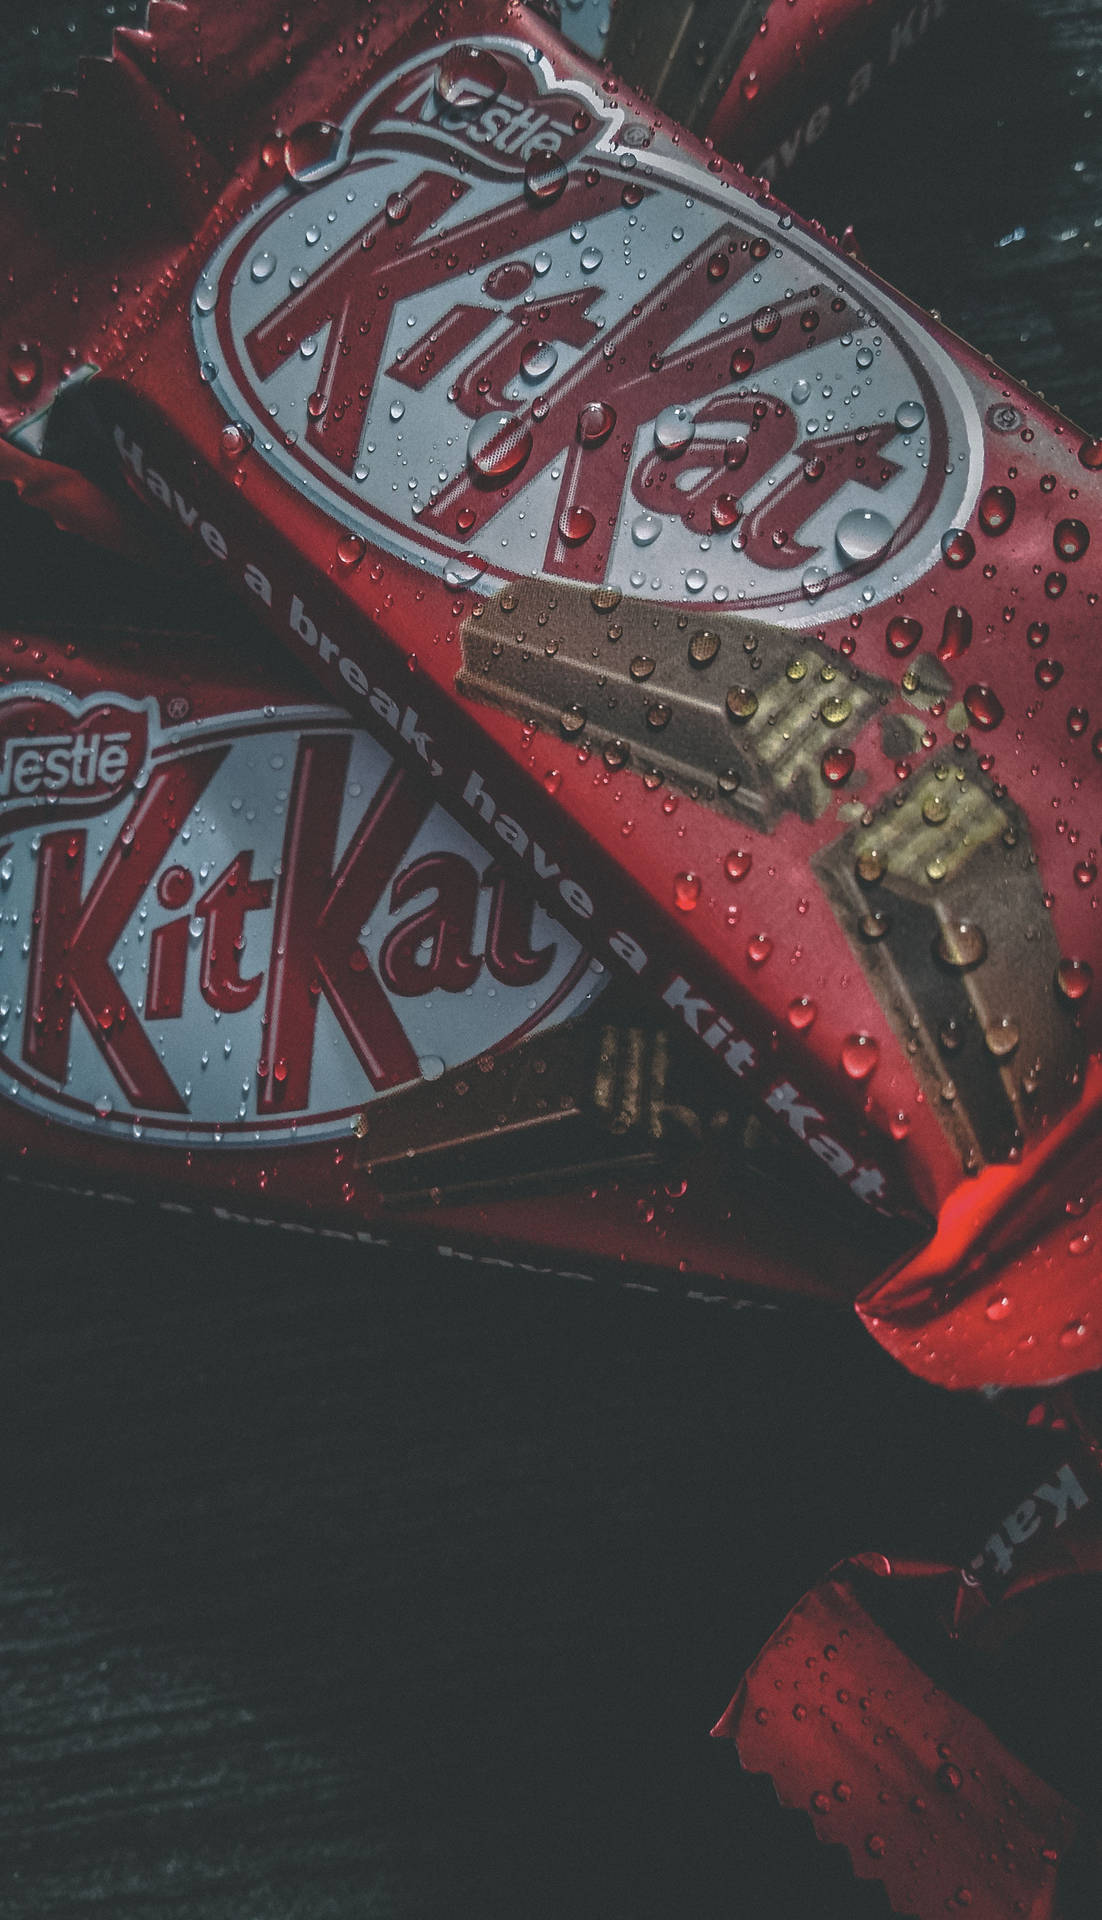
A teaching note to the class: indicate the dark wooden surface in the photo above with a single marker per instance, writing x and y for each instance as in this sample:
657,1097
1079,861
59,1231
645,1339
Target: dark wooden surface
330,1588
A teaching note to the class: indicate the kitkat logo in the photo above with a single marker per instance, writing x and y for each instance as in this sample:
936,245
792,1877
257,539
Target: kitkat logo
497,339
60,758
258,925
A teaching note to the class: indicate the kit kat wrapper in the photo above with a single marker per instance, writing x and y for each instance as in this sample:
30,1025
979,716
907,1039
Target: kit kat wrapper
250,968
730,598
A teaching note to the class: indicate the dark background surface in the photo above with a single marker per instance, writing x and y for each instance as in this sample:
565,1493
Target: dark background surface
330,1587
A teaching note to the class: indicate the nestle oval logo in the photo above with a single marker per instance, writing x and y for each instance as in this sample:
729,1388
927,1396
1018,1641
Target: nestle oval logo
59,756
245,929
496,342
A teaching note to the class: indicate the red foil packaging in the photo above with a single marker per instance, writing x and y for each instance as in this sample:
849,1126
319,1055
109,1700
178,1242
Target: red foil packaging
249,964
727,597
939,1721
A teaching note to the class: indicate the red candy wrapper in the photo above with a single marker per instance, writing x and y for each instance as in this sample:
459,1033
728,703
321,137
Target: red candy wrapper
727,597
250,965
915,1712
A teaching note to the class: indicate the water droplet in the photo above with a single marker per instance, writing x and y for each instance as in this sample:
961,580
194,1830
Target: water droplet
314,151
645,529
935,809
801,391
956,634
262,266
696,580
674,430
766,323
759,949
1090,455
738,863
572,721
813,581
659,715
999,1306
949,1777
575,525
538,359
641,667
469,78
837,764
686,891
961,945
869,867
820,1802
703,647
350,550
909,416
876,1845
1073,1334
862,535
997,508
1070,540
801,1013
498,446
1074,978
903,634
957,547
206,296
595,423
234,442
742,703
860,1055
545,176
1085,873
983,706
590,259
835,710
1001,1037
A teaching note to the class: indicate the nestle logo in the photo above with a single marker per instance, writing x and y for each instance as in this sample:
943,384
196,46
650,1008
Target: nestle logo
485,101
58,756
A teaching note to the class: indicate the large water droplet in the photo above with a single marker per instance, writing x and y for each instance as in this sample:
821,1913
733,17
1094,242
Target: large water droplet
837,764
575,525
538,360
983,706
1074,978
1071,540
645,529
498,446
909,416
997,509
545,177
595,422
674,430
262,266
956,634
468,78
314,151
861,535
903,634
961,945
686,892
860,1055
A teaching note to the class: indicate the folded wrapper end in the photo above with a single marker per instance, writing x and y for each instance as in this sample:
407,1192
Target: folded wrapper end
1009,1291
885,1763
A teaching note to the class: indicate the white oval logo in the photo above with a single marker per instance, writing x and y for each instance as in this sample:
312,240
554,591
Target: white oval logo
499,342
247,928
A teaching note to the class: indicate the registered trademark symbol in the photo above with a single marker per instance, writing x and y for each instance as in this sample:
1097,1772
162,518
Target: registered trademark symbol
1004,419
178,707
